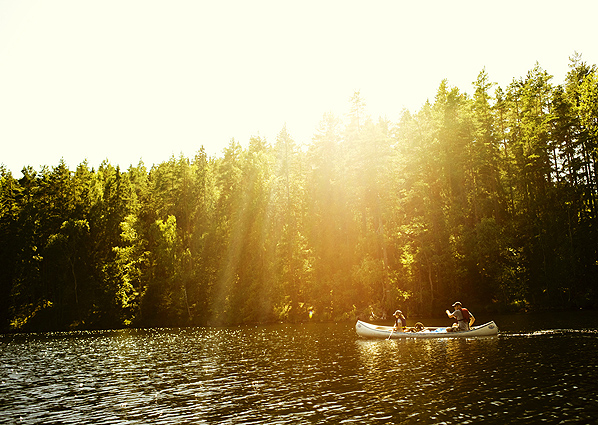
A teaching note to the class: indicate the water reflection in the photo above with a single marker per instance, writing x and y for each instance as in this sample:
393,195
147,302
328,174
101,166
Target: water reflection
424,380
287,374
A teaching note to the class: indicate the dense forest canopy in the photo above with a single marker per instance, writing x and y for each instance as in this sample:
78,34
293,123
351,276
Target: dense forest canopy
489,198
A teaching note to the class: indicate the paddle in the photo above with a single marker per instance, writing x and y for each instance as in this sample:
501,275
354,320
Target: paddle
393,329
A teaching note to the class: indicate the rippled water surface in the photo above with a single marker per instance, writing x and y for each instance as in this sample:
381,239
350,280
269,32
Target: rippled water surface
539,369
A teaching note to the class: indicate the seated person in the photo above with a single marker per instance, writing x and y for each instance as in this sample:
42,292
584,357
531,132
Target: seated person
418,327
400,321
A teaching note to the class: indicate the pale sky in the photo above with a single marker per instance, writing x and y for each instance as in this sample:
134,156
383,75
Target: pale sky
126,80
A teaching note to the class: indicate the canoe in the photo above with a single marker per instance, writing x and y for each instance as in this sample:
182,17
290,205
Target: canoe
367,330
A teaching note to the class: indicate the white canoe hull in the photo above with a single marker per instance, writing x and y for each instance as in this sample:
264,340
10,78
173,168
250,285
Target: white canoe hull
367,330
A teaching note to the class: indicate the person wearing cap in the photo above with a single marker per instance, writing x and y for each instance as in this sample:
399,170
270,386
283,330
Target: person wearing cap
400,321
463,317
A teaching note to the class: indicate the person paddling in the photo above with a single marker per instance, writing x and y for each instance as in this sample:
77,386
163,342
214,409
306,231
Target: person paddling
400,321
463,317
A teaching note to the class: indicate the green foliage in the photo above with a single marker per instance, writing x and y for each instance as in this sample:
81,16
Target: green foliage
489,198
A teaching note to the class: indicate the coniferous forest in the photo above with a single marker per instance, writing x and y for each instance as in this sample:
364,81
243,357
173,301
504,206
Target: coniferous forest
489,198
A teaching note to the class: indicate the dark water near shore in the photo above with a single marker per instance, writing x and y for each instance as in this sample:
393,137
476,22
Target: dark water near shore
541,368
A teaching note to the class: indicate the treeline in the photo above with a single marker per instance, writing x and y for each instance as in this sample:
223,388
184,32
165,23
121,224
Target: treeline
489,198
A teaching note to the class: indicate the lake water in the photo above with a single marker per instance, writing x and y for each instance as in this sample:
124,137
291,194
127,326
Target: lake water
540,368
